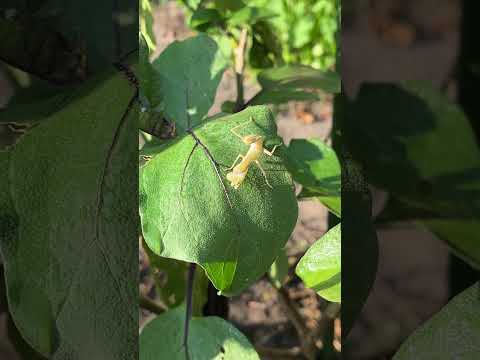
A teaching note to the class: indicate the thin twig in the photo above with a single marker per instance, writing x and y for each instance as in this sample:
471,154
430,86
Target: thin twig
188,310
279,354
240,68
307,340
152,306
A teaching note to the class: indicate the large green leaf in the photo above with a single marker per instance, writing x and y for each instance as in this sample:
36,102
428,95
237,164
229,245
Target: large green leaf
414,143
209,338
190,212
69,228
315,166
453,333
321,266
185,83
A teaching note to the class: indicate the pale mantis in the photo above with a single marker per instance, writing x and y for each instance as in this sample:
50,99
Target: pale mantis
256,149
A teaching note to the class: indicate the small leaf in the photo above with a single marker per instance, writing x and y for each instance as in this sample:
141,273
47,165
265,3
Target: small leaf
452,333
187,76
209,338
281,96
291,82
299,77
315,166
202,19
320,268
279,269
250,15
146,24
229,5
190,212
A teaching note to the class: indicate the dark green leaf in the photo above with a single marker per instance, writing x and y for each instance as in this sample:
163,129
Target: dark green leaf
190,212
229,5
316,167
412,142
359,243
36,47
70,224
186,79
321,266
209,338
452,333
202,19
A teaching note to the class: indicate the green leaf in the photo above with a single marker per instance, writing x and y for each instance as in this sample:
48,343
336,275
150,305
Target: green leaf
302,31
282,96
209,338
69,224
229,5
359,242
146,74
250,15
190,212
299,77
28,114
452,333
315,166
169,276
187,76
266,50
146,24
202,19
279,269
321,266
35,46
402,136
293,80
461,235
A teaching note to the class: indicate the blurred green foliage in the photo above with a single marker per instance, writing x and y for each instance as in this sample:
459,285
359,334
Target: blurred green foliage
306,29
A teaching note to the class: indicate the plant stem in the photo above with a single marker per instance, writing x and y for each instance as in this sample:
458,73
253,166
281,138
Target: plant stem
188,311
278,354
239,62
152,306
307,340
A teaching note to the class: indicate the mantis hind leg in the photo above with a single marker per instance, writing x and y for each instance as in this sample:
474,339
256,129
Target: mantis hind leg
264,173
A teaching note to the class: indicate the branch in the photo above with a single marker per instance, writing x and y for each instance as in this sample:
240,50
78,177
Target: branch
152,306
240,68
305,336
278,354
